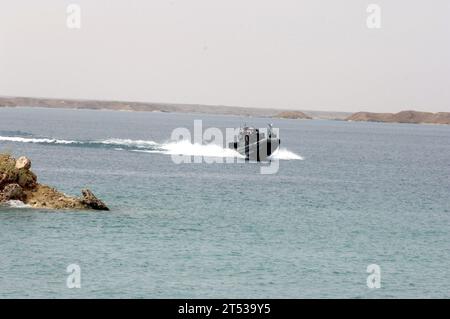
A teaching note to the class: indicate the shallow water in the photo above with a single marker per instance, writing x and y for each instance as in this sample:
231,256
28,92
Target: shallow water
346,195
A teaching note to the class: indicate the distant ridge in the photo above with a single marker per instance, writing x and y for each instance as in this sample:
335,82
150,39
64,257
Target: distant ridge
292,115
158,107
402,117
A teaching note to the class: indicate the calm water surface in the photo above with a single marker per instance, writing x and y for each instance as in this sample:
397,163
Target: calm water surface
364,193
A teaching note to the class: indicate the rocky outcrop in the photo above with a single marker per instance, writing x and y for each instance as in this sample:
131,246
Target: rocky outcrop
295,115
402,117
18,182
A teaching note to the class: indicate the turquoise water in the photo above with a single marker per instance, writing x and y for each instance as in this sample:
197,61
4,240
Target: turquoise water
363,193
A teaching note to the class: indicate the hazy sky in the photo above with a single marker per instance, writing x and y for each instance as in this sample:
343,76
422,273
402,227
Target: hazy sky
314,55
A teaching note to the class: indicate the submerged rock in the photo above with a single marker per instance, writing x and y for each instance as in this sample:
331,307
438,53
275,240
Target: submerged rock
17,182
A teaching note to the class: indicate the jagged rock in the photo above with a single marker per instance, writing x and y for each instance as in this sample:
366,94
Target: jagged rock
23,162
12,191
92,201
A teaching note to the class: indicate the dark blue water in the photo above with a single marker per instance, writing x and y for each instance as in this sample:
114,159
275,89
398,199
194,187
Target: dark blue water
364,193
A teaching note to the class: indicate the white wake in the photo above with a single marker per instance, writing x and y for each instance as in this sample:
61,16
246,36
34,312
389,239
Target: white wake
147,146
17,204
19,139
285,154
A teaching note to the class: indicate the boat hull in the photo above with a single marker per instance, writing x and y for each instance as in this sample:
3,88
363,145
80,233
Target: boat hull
257,150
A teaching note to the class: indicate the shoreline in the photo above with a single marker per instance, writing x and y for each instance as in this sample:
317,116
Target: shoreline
403,117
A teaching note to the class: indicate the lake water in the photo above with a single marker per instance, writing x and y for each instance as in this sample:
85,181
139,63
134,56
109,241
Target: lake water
346,195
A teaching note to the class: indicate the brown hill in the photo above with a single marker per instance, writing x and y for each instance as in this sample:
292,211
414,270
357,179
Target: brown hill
402,117
292,115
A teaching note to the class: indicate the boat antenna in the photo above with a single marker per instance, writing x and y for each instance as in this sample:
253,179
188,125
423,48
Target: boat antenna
270,129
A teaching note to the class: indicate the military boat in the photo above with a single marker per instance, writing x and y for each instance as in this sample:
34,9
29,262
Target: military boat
254,144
